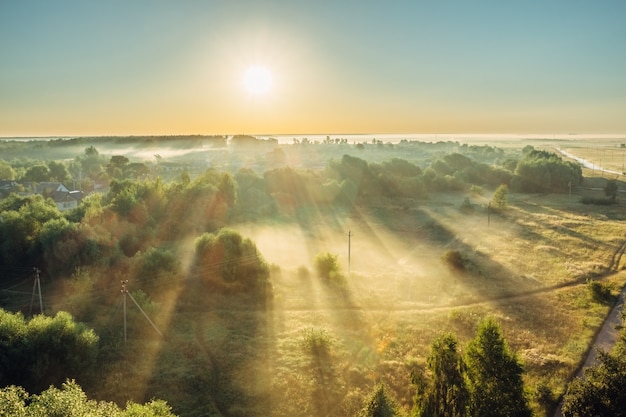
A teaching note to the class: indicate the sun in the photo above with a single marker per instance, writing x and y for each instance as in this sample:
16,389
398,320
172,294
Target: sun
257,80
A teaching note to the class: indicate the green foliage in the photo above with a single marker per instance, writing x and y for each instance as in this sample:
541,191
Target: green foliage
57,171
6,171
232,263
602,389
494,375
316,342
541,171
37,173
601,392
454,259
327,266
379,404
156,263
499,199
445,394
600,292
71,401
22,220
44,350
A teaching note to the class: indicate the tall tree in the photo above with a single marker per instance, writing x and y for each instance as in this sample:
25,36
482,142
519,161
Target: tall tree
494,375
446,395
379,404
499,199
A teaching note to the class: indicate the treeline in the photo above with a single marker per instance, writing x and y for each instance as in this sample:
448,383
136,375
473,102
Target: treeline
142,211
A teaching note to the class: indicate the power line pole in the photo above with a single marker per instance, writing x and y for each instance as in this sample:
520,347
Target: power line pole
36,286
124,292
349,237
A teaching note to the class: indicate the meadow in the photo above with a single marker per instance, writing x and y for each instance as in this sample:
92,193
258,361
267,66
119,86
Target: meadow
528,265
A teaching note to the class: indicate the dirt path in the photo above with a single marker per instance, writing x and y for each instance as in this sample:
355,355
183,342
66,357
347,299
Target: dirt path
605,339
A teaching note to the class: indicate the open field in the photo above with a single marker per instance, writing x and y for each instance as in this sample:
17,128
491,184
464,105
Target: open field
528,268
527,265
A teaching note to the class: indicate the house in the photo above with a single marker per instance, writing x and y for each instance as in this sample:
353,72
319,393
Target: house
6,187
58,192
62,196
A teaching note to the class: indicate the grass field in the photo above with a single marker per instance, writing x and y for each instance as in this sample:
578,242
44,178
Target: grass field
319,348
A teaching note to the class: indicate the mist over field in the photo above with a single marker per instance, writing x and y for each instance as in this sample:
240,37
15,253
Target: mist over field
296,279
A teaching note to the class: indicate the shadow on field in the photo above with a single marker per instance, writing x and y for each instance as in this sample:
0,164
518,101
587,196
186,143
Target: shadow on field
217,356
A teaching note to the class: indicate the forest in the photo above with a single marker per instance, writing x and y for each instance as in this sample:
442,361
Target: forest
216,276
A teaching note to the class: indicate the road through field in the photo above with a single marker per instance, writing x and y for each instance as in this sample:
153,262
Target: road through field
587,164
605,340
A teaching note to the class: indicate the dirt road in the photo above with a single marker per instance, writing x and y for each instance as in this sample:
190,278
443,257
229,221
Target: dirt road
605,339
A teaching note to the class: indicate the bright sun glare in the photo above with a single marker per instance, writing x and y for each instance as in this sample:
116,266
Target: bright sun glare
257,80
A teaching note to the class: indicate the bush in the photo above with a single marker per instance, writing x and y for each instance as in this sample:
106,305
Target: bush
454,259
327,266
600,292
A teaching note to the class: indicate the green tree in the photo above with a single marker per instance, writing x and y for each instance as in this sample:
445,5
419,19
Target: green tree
232,262
71,401
44,350
610,189
37,173
58,171
446,393
6,171
602,389
600,392
494,375
327,266
379,404
499,199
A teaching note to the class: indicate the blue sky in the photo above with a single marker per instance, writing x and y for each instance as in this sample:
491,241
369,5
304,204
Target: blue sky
166,67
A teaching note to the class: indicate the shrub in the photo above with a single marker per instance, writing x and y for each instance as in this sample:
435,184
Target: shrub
600,292
454,259
327,266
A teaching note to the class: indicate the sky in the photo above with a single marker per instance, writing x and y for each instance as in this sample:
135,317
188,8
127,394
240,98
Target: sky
160,67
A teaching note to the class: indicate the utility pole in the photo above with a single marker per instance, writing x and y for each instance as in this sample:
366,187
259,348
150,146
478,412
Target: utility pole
569,184
124,292
349,236
36,286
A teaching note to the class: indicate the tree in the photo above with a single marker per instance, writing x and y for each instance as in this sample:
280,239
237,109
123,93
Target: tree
499,199
71,401
58,171
229,261
494,375
610,189
44,350
6,171
601,392
446,393
37,173
327,266
379,404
